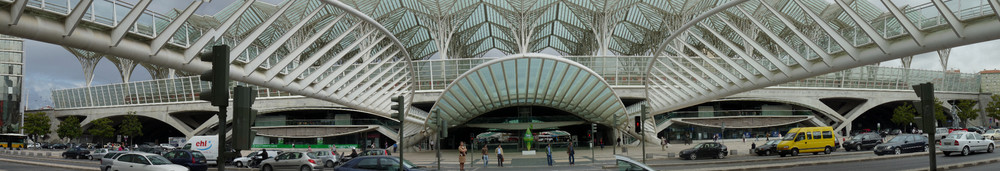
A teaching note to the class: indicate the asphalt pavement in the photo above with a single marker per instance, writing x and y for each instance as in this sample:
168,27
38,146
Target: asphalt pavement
5,166
912,162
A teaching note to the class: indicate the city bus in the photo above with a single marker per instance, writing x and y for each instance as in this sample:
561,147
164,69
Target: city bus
11,140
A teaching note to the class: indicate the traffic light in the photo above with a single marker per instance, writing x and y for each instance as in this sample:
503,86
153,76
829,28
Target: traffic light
925,107
444,129
638,124
593,127
398,111
218,95
243,117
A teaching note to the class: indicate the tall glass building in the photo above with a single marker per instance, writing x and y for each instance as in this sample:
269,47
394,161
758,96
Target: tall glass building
11,76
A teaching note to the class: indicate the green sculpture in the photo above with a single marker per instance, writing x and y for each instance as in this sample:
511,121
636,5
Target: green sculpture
527,136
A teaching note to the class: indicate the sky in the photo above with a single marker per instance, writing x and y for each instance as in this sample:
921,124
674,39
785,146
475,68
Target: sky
51,67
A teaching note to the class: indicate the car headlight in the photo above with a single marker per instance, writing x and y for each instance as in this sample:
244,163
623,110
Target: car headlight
786,147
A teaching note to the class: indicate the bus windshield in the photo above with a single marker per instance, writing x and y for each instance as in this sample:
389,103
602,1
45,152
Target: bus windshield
789,137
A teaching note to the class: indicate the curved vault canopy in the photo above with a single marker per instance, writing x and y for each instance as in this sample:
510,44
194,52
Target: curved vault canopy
528,80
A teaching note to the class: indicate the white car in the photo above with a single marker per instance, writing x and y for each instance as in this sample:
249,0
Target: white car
245,160
993,134
965,143
625,163
97,154
141,161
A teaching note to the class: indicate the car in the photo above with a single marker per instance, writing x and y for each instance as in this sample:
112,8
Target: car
975,129
381,162
628,164
895,132
993,134
76,153
371,152
167,146
966,143
328,158
291,161
34,145
136,161
863,141
193,160
109,158
97,154
902,143
707,149
58,146
767,148
245,160
807,140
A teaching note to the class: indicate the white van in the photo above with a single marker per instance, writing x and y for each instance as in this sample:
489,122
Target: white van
207,145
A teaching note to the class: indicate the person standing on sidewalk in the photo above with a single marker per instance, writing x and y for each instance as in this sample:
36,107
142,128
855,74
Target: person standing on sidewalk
548,154
571,152
461,155
500,155
486,156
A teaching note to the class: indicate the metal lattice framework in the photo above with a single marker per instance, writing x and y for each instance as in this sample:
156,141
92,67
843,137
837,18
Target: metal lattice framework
347,52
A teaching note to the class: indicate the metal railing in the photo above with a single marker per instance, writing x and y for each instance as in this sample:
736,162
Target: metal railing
661,118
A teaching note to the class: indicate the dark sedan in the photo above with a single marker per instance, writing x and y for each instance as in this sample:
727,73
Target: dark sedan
193,160
863,141
76,153
378,162
901,144
708,149
767,148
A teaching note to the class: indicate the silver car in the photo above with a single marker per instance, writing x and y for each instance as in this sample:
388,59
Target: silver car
292,161
97,154
627,164
245,160
328,158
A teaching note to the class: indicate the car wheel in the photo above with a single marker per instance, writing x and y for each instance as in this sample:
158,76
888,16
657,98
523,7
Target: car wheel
305,168
239,164
965,151
857,148
990,149
720,156
795,152
767,153
828,150
267,168
693,157
897,151
947,153
329,163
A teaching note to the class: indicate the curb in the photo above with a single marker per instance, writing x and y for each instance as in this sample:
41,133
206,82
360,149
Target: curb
53,159
961,165
784,165
737,161
50,165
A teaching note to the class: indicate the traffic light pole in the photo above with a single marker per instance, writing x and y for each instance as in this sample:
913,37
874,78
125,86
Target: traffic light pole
220,160
642,132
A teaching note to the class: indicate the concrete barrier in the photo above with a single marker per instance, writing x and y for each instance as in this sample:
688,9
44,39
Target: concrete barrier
48,154
671,155
732,152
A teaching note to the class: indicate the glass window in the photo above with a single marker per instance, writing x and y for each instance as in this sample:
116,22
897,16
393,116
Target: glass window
388,164
127,158
817,135
367,163
157,160
140,160
827,134
170,155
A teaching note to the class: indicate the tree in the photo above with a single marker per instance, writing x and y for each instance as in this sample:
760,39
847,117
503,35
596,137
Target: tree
993,108
130,126
37,125
70,128
102,128
939,111
967,110
904,114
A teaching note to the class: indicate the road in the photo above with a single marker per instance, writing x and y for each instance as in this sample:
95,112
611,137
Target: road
904,163
5,166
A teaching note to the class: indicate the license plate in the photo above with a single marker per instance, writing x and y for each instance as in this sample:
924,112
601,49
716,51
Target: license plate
947,143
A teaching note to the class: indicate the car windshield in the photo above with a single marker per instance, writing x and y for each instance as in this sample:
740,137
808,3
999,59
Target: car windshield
858,137
158,160
699,146
898,139
311,155
789,137
991,131
954,136
407,164
197,155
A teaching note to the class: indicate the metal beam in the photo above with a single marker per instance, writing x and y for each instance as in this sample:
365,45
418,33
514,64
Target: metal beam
795,29
264,55
294,54
757,46
250,38
213,34
365,76
290,78
914,32
746,74
844,44
956,25
174,26
995,4
329,63
732,46
867,28
730,76
360,67
805,64
122,28
16,11
74,16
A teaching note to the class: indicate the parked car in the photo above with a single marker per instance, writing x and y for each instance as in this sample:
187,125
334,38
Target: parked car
328,158
97,154
291,161
708,149
193,160
993,134
768,148
58,146
167,146
76,153
625,163
136,161
862,142
372,152
245,160
895,132
966,143
975,129
365,163
807,140
109,158
901,144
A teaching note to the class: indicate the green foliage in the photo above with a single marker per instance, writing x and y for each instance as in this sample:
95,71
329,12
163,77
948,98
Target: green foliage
939,111
903,114
130,126
102,128
36,125
967,110
70,128
993,108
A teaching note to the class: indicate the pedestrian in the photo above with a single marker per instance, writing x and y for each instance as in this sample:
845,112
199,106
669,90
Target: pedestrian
663,143
548,154
602,144
333,148
486,156
619,141
394,147
768,137
715,138
309,148
571,152
461,155
499,156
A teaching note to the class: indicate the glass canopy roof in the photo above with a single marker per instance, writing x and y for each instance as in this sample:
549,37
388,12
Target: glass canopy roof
530,79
